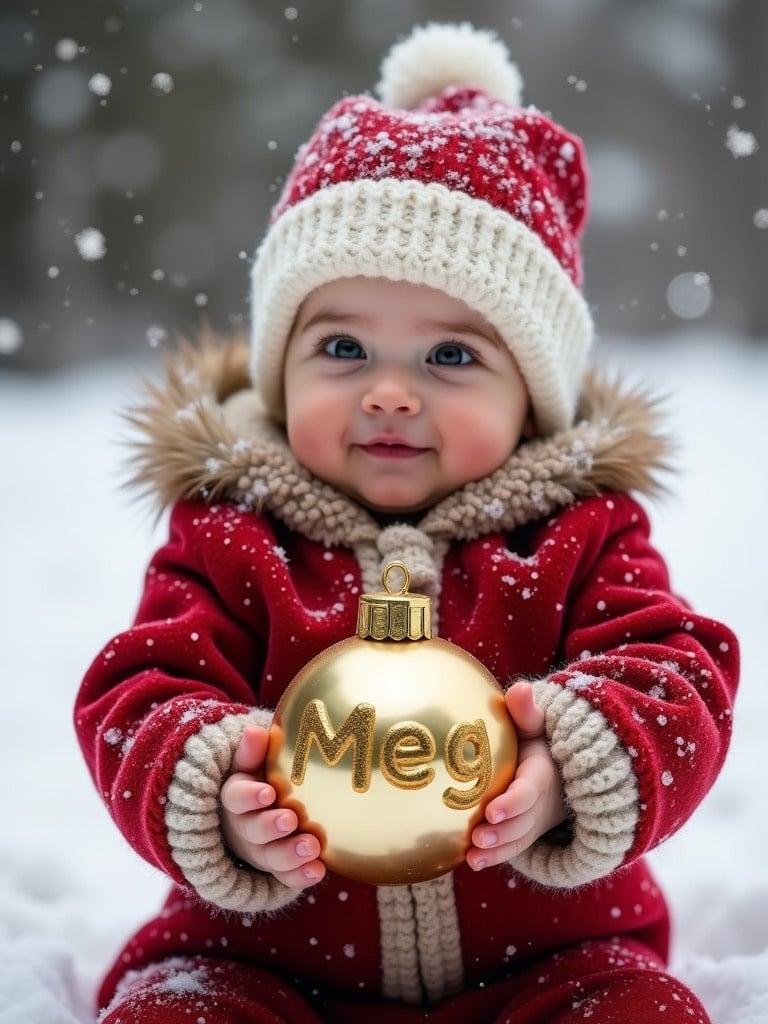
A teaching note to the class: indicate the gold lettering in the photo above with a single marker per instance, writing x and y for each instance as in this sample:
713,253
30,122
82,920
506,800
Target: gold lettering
459,768
399,761
357,731
406,748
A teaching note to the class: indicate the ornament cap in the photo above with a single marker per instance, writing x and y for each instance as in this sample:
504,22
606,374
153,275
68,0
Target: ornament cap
394,614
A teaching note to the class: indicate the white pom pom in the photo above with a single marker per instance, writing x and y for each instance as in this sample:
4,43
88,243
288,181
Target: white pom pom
436,55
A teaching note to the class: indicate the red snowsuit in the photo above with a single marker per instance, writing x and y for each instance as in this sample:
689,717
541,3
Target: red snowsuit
528,571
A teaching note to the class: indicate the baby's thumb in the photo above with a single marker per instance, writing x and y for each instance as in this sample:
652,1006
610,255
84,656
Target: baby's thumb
525,713
251,750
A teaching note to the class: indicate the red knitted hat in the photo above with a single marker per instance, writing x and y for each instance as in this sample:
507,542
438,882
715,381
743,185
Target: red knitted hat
447,182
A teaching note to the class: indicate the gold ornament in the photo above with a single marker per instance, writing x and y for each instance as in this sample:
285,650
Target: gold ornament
389,745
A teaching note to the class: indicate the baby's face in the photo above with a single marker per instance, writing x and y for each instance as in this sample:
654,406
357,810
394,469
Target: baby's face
369,356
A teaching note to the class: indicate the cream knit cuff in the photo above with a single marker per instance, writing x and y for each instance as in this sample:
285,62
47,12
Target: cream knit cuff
429,235
192,817
600,790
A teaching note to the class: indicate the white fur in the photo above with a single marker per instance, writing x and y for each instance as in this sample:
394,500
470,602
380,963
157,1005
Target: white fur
436,55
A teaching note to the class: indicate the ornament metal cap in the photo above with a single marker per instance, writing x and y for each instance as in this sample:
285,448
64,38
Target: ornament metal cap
395,614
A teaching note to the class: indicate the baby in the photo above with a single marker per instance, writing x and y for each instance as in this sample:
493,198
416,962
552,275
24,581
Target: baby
416,387
458,409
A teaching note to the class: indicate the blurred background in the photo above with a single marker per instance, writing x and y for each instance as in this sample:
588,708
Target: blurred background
142,146
144,143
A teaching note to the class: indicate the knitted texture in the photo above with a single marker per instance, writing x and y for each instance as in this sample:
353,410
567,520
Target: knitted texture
466,191
192,816
600,791
543,570
429,235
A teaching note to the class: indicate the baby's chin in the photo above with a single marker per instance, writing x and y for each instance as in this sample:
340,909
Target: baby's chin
380,506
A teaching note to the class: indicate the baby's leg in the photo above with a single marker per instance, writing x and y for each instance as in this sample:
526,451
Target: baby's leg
602,981
197,989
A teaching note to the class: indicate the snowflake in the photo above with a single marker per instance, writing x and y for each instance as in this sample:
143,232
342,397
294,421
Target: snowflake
162,83
581,680
241,447
100,84
740,143
11,336
90,243
494,509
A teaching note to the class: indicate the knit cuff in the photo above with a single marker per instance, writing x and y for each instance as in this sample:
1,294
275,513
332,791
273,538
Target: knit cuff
192,817
600,793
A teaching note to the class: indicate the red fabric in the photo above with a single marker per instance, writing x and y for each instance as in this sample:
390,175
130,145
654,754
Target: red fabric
516,159
235,604
616,981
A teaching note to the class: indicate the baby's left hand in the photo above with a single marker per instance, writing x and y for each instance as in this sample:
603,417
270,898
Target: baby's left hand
532,803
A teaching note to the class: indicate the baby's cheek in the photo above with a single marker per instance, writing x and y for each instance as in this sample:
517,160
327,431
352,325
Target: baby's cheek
471,453
314,437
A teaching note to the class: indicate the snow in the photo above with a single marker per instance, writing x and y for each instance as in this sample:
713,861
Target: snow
740,143
90,243
11,336
66,49
162,83
100,84
74,559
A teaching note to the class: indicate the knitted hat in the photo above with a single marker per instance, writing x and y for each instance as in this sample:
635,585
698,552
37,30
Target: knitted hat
447,182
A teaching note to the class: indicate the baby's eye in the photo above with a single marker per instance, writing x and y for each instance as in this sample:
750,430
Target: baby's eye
348,348
454,350
346,344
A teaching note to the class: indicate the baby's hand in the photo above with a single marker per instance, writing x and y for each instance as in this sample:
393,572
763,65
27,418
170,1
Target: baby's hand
532,803
259,836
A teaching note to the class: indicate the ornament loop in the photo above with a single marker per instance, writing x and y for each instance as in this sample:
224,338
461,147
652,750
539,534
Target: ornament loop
387,568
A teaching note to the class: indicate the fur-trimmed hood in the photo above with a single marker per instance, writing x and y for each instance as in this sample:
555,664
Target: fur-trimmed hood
202,432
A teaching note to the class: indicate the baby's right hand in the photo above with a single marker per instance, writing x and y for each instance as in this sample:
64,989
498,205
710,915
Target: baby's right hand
259,836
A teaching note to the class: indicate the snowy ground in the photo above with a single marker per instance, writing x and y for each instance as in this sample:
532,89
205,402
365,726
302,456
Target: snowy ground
74,553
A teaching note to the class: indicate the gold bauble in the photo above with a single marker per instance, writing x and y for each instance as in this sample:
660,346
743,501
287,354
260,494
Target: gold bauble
389,745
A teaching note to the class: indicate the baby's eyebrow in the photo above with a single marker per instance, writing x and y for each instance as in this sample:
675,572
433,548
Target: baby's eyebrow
328,316
461,327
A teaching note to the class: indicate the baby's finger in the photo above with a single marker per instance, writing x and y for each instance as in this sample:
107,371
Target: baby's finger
485,836
303,877
241,793
524,711
291,853
520,795
251,750
261,827
479,859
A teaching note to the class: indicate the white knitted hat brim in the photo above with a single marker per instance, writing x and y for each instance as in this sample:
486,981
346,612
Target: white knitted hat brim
432,235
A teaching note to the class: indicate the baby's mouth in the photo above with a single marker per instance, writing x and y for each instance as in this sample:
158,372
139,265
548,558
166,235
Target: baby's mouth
392,451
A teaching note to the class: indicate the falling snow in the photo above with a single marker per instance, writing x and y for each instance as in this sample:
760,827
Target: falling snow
740,143
100,84
66,49
91,244
701,880
11,336
162,83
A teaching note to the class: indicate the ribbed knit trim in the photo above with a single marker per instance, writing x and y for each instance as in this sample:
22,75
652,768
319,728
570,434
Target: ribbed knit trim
192,817
432,235
419,937
600,790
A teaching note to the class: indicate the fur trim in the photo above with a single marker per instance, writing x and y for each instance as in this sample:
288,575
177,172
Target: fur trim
203,433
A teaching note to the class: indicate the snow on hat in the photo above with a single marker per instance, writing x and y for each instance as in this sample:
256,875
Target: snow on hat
448,182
